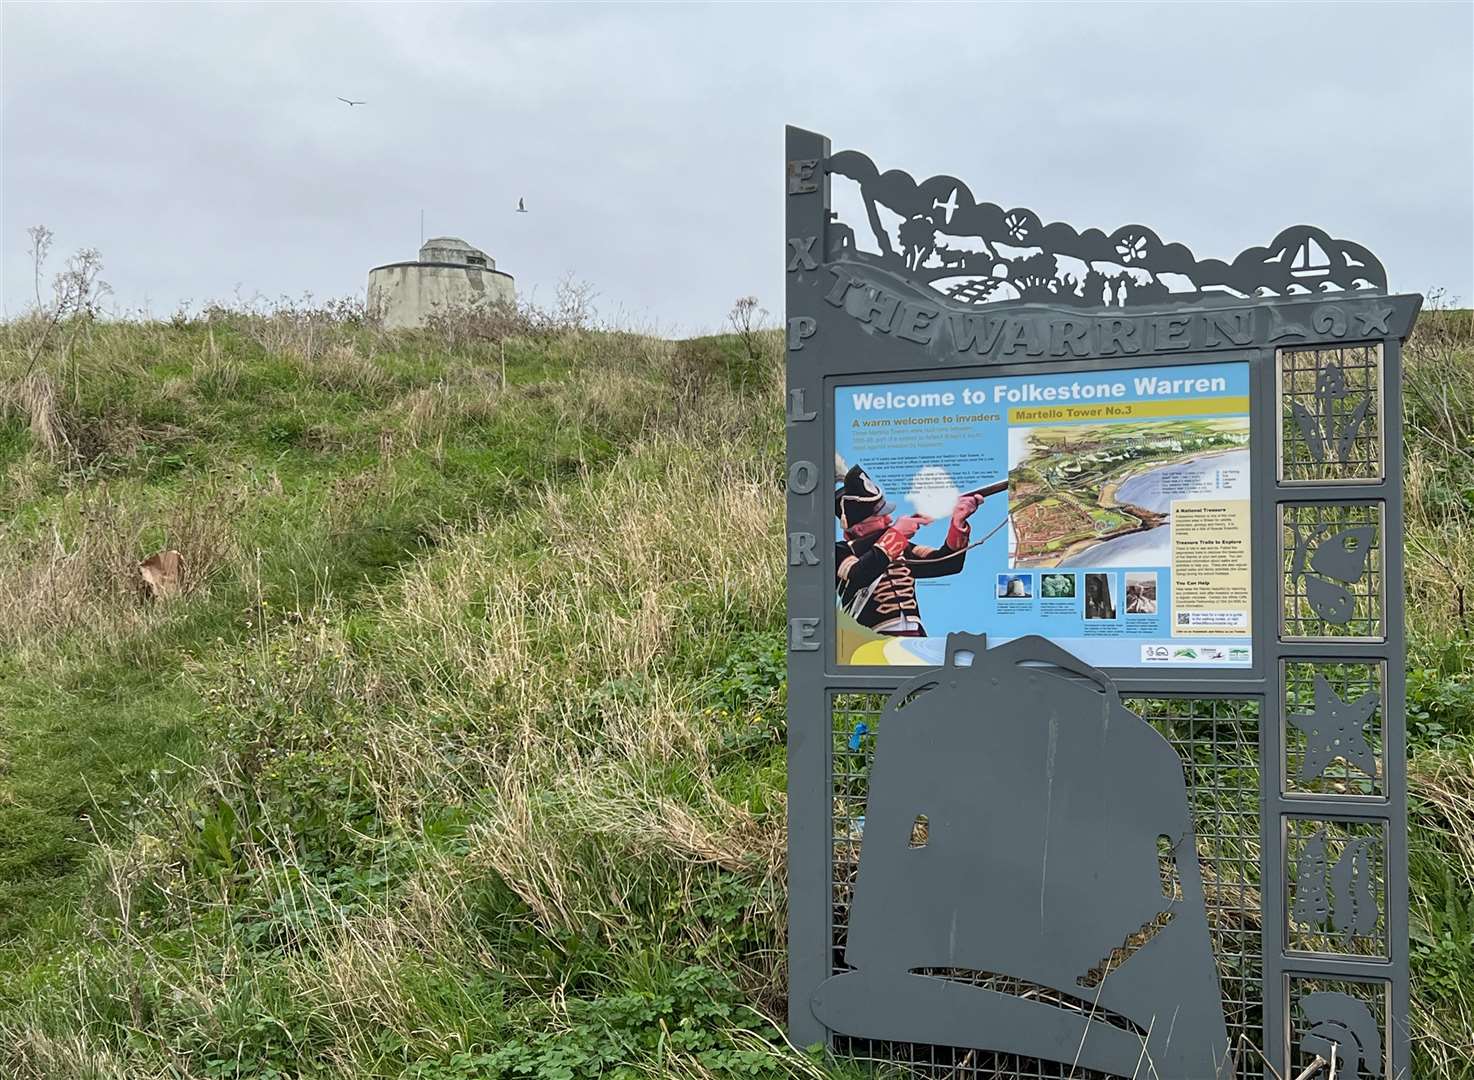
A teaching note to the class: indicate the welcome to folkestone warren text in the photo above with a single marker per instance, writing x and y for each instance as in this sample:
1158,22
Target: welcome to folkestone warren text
1142,386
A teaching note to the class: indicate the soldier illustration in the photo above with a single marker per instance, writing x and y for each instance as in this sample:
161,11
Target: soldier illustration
876,564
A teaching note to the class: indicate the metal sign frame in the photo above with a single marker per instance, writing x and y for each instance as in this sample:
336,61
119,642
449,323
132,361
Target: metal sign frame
1327,629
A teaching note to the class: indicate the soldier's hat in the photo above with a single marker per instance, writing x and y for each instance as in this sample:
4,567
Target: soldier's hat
858,497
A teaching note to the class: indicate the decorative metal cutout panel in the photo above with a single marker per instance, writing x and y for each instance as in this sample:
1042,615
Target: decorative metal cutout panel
1288,733
1337,872
1350,1020
1217,741
933,232
1334,728
1330,419
1067,928
1332,583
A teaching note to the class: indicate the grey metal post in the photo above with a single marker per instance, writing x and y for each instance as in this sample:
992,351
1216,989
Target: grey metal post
806,184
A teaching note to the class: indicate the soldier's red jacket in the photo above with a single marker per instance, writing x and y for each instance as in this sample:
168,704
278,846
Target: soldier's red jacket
875,576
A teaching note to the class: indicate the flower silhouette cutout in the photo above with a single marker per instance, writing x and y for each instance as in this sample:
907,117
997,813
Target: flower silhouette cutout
1020,224
1131,248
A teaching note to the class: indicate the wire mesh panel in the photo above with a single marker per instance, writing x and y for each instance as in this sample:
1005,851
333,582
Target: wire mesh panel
1331,584
1330,417
949,1062
1334,728
1337,874
1217,740
856,721
1352,1014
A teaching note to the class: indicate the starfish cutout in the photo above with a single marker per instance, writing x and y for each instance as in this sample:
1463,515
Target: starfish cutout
1373,318
1336,729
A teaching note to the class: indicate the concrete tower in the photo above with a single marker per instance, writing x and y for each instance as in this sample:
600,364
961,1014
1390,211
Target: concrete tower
449,275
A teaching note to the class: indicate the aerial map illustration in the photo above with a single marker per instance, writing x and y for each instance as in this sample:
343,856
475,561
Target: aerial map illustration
1099,494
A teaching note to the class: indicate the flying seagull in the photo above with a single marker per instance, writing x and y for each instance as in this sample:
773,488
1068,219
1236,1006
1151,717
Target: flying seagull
521,207
345,101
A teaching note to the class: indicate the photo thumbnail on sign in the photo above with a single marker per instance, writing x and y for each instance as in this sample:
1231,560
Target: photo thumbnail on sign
1106,510
1015,586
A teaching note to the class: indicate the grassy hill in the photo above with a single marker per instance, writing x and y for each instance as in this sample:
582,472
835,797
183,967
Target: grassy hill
460,754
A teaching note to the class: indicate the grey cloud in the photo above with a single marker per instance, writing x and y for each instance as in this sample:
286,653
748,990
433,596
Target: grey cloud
203,147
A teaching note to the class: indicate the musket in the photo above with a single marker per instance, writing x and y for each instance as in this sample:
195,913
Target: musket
988,489
983,492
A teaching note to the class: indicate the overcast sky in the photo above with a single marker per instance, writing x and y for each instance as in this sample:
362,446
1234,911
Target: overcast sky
202,148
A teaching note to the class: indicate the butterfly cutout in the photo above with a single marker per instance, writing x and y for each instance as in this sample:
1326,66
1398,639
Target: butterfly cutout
1341,555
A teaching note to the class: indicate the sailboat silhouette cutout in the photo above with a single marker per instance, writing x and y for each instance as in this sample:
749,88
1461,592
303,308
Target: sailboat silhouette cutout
1028,879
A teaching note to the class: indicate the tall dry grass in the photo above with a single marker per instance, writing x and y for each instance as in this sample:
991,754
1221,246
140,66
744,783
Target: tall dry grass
532,677
80,576
1438,391
460,809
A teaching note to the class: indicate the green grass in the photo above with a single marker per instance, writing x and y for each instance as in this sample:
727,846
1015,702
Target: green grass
461,755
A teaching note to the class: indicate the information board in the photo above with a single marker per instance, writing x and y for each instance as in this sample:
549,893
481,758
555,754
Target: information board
1121,530
1179,478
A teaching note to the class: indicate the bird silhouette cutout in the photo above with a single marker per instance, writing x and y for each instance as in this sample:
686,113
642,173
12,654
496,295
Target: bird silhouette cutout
1336,729
1028,879
349,103
521,206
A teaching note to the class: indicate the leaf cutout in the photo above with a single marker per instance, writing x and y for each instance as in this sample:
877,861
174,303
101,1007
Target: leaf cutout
1311,904
1364,889
1310,430
1349,432
1355,893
